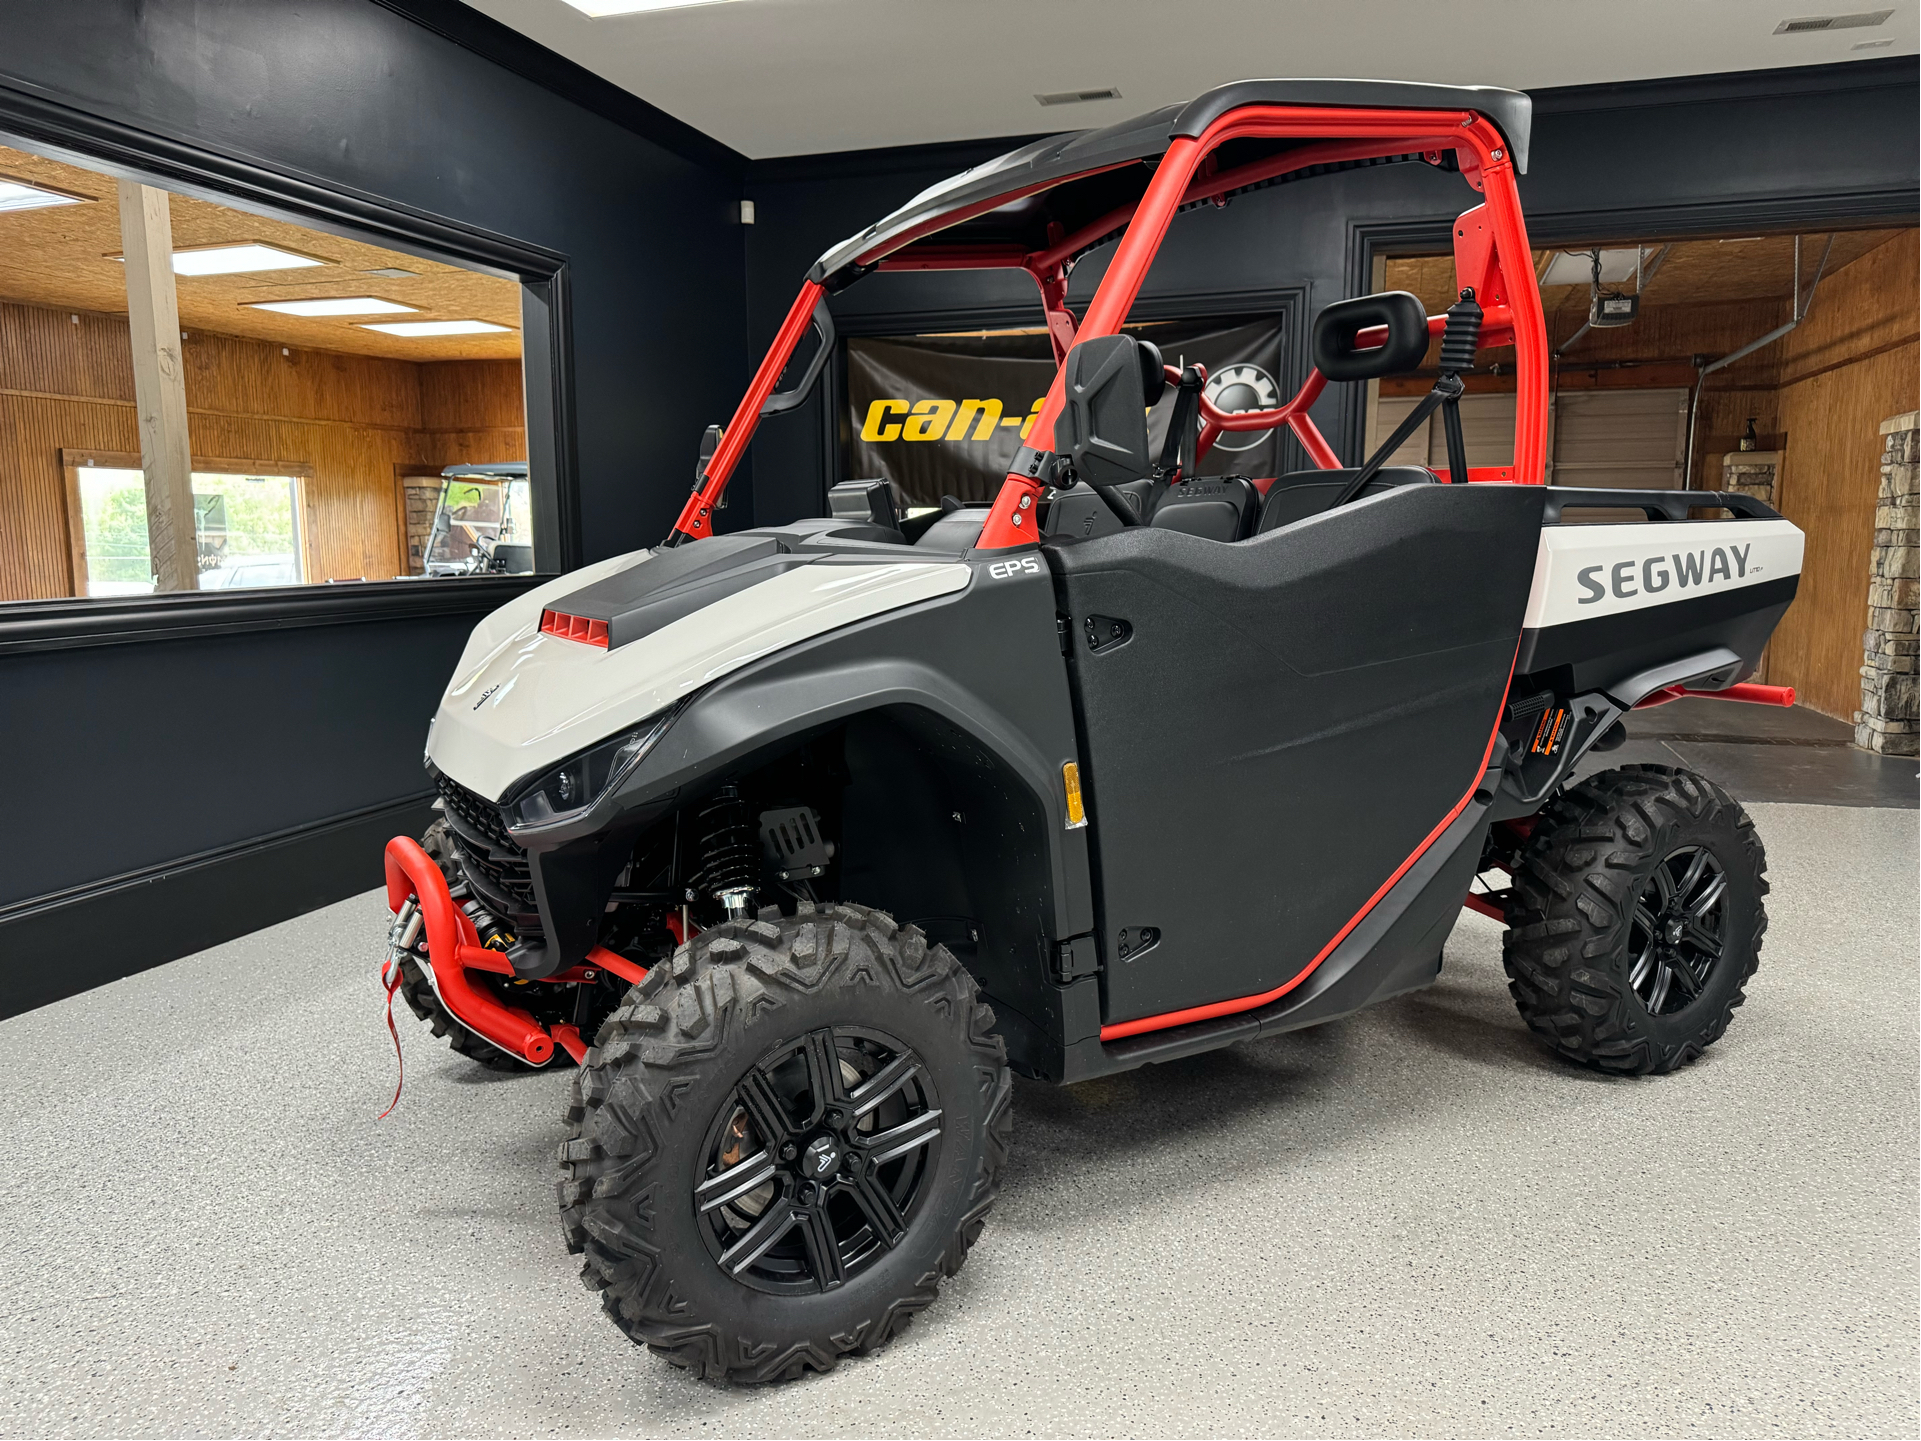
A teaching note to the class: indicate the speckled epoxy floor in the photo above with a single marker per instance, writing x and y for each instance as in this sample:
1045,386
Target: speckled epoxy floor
1413,1222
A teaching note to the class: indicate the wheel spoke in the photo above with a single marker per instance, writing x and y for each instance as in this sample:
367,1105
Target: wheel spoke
734,1182
908,1136
877,1205
1644,918
1692,876
1664,883
1683,973
1703,939
823,1246
824,1082
1643,966
774,1223
765,1109
884,1082
1663,979
1710,896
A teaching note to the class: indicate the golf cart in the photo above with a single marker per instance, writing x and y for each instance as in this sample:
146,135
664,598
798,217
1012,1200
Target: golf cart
798,841
483,522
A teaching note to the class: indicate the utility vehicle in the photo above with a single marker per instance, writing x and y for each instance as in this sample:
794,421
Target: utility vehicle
799,841
482,522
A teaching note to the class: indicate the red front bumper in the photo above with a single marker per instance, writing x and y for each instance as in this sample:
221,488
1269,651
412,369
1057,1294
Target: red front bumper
453,949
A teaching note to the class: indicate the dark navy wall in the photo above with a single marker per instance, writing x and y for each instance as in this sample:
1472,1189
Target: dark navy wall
168,792
1784,149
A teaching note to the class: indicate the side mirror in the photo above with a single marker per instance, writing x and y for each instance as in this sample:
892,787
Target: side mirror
1109,382
1343,350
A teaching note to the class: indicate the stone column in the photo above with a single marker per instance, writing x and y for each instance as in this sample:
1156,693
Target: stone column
1886,721
1751,472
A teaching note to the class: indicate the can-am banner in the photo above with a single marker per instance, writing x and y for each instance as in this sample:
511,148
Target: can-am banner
943,414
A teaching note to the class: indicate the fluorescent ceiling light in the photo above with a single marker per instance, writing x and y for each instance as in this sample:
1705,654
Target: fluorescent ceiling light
422,328
1576,267
238,259
341,305
249,255
600,8
19,195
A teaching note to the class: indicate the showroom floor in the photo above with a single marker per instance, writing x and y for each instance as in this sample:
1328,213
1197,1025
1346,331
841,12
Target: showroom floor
1414,1221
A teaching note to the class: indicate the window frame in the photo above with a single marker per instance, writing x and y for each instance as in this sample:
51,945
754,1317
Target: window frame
124,151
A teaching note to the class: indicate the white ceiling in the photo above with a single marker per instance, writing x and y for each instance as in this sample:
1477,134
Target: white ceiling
798,77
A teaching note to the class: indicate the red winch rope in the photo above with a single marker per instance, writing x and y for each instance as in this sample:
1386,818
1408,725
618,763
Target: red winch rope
390,973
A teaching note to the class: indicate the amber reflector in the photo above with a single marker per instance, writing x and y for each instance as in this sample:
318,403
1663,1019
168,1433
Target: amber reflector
1076,809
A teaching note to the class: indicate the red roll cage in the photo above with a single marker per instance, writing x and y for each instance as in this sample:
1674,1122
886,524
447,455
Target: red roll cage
1491,256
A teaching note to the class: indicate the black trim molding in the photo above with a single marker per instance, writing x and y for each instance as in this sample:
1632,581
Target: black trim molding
121,147
41,625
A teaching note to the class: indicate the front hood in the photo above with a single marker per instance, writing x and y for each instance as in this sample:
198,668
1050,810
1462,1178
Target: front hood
522,700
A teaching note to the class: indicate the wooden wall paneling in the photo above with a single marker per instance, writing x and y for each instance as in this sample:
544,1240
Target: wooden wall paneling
1849,366
343,423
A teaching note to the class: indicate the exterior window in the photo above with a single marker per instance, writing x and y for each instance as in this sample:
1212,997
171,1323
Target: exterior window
246,530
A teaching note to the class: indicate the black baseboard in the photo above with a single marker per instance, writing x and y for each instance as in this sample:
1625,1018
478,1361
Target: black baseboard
58,946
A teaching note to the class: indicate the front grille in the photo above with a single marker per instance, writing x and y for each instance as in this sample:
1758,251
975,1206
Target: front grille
494,865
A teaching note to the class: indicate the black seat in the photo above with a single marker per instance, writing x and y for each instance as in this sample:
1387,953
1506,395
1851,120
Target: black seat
1219,508
1309,492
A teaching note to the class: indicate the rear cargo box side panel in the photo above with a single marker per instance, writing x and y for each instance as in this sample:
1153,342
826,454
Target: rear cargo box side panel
1609,601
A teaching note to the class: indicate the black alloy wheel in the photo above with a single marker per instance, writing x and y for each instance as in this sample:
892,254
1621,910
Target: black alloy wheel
1679,930
782,1141
817,1163
1636,919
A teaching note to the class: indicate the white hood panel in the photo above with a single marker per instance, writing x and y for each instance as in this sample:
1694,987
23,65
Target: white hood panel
522,701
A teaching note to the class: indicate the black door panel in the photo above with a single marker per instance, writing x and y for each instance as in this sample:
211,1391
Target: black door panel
1289,718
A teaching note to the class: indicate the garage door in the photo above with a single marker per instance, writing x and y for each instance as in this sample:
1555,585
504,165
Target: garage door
1631,438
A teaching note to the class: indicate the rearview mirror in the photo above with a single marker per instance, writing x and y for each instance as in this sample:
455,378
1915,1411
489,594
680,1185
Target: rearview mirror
1345,350
1102,428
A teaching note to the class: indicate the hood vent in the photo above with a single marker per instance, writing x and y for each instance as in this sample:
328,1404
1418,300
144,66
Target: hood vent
574,627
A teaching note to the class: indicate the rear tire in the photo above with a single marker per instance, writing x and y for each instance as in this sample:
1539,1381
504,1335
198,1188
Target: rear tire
844,1068
1637,919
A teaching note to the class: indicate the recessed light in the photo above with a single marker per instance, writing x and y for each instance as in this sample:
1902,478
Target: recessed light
23,195
341,305
423,328
239,259
602,8
392,272
1872,45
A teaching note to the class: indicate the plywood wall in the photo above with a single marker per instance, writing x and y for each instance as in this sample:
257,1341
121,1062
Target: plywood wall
66,382
1850,366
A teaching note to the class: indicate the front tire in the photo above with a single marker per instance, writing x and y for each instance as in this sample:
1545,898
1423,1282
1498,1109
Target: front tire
783,1140
1637,919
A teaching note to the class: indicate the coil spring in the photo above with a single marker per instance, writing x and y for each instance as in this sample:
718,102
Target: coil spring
729,860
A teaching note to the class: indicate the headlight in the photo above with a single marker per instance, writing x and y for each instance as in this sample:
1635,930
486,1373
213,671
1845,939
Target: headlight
573,786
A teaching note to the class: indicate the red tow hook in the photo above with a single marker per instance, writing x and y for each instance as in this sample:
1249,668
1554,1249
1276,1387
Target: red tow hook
452,947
